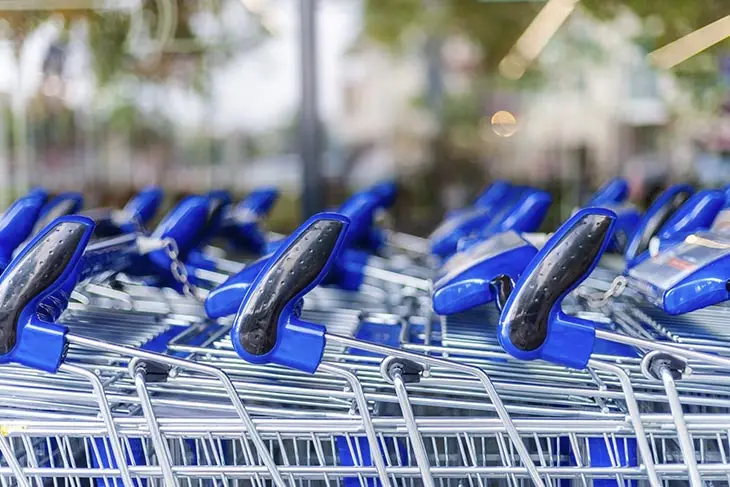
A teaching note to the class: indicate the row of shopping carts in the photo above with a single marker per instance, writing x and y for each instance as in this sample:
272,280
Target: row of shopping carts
210,352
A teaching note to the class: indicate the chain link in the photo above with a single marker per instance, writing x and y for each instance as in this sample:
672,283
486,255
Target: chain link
178,269
169,245
616,288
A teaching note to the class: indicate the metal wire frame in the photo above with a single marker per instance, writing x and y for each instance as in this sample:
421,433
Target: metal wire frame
468,449
552,396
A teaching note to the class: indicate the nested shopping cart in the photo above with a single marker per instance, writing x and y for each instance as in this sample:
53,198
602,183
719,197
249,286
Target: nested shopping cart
275,397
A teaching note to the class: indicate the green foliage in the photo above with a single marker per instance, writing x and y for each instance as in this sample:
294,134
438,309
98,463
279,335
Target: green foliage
386,20
495,26
673,18
107,35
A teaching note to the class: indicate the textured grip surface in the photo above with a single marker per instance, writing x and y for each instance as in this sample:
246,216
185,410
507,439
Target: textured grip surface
36,270
295,269
562,267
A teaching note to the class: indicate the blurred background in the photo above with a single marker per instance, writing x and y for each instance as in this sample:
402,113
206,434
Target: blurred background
321,97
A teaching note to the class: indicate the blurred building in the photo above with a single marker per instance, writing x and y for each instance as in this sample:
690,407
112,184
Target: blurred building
380,122
601,108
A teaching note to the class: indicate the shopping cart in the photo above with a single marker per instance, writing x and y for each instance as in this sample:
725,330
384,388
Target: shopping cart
672,391
411,403
357,269
473,277
124,415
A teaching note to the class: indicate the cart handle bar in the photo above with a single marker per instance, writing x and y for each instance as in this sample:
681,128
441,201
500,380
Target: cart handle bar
267,327
532,324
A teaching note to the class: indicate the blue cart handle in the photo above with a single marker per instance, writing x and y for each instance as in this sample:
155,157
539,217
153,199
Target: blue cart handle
16,225
60,205
143,206
527,215
43,271
267,327
63,204
219,202
697,213
136,214
182,225
493,194
241,224
615,191
532,324
256,205
663,207
387,192
39,192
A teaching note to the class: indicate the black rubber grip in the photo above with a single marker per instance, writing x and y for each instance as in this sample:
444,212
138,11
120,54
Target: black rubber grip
301,263
33,273
563,266
658,219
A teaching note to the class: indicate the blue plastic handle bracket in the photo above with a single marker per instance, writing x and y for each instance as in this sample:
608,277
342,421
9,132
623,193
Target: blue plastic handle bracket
532,324
267,327
44,270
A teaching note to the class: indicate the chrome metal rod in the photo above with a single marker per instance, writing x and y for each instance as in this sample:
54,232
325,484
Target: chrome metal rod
685,441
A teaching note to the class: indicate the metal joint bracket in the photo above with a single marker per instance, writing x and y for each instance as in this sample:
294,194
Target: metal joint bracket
408,370
653,363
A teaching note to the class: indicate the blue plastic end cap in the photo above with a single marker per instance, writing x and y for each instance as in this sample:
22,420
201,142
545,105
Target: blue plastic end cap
260,201
461,296
186,225
39,192
465,280
17,223
387,192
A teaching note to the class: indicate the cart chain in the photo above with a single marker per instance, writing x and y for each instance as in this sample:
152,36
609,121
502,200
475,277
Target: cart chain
616,288
178,269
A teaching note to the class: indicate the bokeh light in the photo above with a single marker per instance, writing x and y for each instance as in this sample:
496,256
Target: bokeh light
504,124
